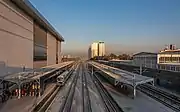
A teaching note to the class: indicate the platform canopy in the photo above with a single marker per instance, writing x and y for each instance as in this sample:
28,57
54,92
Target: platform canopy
34,74
123,76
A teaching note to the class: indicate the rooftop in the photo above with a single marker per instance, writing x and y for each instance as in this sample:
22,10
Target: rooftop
145,53
35,74
26,6
132,79
177,51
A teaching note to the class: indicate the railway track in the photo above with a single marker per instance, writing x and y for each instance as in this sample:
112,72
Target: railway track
165,98
110,104
85,93
43,105
69,97
47,101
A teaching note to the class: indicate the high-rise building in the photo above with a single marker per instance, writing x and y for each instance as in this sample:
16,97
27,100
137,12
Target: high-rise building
101,49
96,49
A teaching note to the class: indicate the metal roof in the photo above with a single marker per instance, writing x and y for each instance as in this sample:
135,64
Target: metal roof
26,6
35,74
123,76
145,53
170,52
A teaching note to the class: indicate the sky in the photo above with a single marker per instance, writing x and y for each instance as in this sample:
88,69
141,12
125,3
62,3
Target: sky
126,26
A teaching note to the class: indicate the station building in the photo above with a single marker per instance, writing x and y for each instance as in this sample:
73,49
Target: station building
145,59
27,39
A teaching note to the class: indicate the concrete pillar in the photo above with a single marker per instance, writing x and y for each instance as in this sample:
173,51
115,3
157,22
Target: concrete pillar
134,91
141,69
39,87
19,91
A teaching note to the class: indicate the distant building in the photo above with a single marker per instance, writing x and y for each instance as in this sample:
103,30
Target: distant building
89,52
145,59
101,49
169,59
96,49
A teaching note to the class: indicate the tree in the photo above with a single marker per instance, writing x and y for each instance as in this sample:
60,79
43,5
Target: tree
112,56
124,57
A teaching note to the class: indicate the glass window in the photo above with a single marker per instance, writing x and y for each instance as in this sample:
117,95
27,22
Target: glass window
40,53
173,68
178,68
40,44
168,67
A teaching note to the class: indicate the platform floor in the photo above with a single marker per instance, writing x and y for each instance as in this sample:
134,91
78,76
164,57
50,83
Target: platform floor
24,104
142,102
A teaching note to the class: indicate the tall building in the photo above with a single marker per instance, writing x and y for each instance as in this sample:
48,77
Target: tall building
27,39
96,49
89,52
101,49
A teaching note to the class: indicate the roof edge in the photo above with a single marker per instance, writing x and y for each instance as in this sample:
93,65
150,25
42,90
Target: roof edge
36,15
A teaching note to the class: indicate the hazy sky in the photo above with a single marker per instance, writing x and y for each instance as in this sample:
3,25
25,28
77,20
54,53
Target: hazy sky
124,25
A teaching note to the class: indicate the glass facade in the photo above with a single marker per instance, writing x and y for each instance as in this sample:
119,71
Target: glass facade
40,44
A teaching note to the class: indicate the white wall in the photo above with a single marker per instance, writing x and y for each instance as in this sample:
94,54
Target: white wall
16,39
51,49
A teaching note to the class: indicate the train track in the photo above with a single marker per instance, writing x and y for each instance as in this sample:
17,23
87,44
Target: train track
69,97
47,101
165,98
85,94
110,104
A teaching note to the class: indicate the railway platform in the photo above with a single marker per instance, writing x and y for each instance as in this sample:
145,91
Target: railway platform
35,79
25,104
142,102
121,76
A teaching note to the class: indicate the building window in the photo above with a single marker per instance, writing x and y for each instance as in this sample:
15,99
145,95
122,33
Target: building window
178,68
175,59
162,59
40,53
162,67
173,68
168,67
40,43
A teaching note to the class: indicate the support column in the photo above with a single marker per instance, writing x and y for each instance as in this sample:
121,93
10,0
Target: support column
19,91
134,91
39,87
19,87
141,69
153,82
92,70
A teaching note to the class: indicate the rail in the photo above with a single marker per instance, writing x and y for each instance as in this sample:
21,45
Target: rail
165,98
69,98
110,103
43,105
85,94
